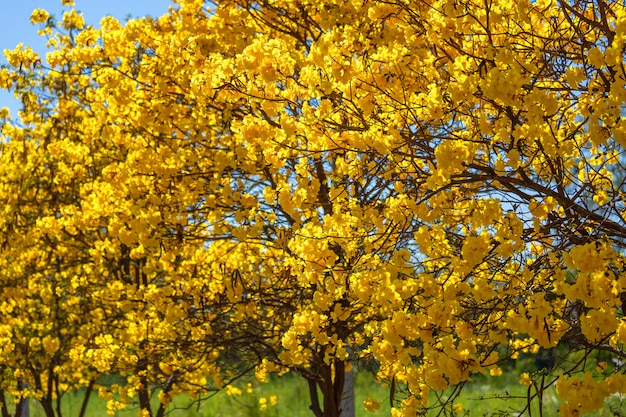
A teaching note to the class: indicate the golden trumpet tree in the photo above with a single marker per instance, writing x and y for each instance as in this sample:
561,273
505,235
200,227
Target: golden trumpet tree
434,186
45,307
101,275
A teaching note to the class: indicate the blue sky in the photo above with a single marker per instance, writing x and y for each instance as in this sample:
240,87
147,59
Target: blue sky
15,26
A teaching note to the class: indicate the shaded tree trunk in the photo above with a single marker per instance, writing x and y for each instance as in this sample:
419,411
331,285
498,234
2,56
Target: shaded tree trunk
347,396
23,407
4,409
337,389
83,407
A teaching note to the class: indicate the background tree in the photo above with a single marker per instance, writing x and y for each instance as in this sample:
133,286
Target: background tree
111,285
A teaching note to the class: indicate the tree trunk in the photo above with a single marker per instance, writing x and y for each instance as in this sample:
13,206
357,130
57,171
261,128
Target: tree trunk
144,397
48,409
5,410
347,396
337,389
83,406
331,403
23,406
315,401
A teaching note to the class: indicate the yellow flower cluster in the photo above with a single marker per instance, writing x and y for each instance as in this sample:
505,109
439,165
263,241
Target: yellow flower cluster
433,186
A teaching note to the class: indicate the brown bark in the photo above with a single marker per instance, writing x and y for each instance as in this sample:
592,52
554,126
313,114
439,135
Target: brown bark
83,406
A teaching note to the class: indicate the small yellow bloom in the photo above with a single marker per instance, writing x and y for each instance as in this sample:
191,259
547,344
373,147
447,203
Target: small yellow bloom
371,404
39,16
525,379
230,390
50,344
495,371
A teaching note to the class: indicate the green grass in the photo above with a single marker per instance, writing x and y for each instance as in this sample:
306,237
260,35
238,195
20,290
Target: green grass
484,396
504,396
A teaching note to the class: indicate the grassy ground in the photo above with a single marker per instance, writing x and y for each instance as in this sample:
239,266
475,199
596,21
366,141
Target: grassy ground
485,396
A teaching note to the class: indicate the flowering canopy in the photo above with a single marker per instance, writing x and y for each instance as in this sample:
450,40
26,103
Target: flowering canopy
435,186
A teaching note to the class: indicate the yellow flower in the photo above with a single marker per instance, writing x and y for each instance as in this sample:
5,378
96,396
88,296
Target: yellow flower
39,16
50,344
371,404
230,390
73,20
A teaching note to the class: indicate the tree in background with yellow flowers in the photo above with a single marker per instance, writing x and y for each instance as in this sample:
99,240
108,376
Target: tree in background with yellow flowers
434,186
